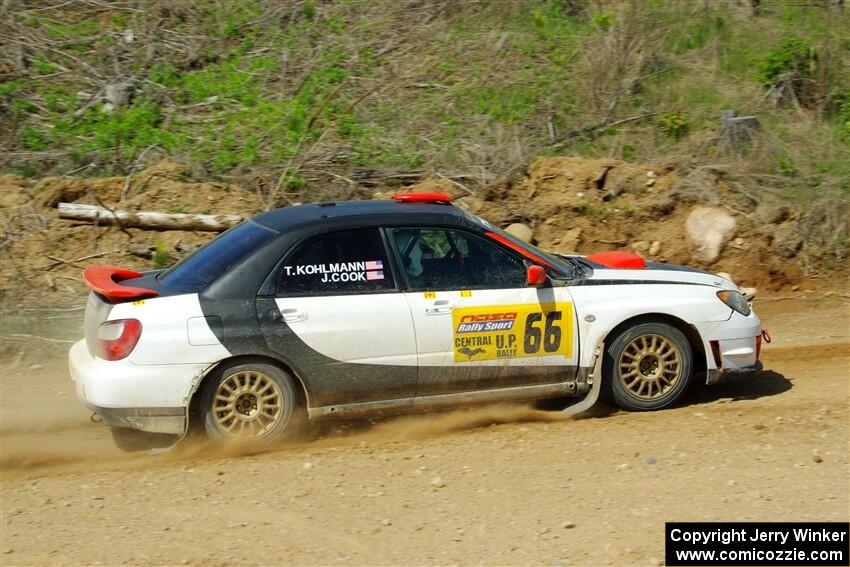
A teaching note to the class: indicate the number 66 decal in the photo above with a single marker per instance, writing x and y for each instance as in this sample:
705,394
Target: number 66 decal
551,334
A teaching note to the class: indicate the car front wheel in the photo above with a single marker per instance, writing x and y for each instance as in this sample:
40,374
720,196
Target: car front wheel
649,367
253,404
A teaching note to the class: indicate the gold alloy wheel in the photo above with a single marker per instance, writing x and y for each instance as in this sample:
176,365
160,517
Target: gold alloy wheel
247,405
650,366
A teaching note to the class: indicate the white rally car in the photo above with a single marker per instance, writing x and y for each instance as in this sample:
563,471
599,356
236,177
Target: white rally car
372,307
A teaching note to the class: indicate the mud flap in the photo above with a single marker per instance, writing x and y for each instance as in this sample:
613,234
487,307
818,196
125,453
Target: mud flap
196,382
595,379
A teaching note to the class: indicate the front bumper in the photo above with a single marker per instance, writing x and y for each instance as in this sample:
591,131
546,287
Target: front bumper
717,375
149,398
731,347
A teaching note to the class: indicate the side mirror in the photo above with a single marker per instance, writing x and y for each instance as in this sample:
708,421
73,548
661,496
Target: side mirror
535,276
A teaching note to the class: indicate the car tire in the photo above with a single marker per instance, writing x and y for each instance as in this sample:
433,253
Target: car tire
253,404
648,367
134,441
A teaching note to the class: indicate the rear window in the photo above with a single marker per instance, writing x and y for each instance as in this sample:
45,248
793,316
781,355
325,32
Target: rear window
194,273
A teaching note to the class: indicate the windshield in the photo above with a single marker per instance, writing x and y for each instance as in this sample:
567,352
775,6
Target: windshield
197,271
569,269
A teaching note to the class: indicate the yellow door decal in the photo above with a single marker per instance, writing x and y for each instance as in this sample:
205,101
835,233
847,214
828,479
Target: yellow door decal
512,331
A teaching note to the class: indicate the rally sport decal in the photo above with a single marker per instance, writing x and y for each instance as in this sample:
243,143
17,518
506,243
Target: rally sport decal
512,331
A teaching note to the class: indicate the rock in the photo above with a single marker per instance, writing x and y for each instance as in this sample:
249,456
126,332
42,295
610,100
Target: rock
521,231
571,240
640,247
772,213
649,461
437,482
664,204
307,466
386,522
708,229
650,182
817,458
468,203
749,293
699,186
568,525
654,248
120,94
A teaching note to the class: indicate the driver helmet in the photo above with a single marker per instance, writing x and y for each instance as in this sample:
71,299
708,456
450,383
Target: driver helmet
411,249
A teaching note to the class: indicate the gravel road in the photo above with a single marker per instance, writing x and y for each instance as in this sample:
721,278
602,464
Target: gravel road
497,485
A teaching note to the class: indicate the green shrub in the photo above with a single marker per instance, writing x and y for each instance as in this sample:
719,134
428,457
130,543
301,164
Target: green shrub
794,56
603,21
32,139
843,115
161,257
674,124
121,133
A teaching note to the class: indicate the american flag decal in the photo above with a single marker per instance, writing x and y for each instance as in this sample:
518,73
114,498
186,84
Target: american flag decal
376,265
375,275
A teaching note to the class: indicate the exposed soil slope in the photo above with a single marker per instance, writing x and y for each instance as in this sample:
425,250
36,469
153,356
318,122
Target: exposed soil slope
572,205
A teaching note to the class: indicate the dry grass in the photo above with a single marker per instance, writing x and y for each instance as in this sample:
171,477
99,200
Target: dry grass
317,99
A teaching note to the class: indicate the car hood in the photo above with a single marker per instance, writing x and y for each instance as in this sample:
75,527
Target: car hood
650,273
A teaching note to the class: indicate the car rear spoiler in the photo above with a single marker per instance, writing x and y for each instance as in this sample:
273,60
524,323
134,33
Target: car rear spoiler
104,280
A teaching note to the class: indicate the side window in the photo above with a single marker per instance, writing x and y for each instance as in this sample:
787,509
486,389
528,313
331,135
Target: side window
445,259
350,261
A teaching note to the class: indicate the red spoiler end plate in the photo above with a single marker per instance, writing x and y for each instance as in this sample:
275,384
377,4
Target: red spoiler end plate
105,281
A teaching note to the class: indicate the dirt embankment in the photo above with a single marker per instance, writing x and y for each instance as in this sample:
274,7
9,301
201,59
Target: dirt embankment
579,205
44,255
570,205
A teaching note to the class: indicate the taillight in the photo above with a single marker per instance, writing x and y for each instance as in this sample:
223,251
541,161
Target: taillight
117,339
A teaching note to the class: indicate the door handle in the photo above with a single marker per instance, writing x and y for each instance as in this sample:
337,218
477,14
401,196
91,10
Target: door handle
293,315
440,307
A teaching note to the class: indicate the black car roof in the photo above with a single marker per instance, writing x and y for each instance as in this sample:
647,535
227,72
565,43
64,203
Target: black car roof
365,213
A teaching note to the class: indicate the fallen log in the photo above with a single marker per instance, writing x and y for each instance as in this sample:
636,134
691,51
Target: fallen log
149,220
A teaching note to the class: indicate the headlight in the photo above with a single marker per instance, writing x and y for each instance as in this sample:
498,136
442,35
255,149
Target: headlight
735,300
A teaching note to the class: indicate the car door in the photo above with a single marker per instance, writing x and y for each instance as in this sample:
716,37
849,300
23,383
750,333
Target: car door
342,321
478,325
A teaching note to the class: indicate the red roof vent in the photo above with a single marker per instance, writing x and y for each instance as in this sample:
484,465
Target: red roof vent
434,198
104,280
619,260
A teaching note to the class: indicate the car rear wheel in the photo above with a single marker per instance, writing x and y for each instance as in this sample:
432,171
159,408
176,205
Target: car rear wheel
649,367
253,404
